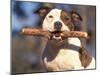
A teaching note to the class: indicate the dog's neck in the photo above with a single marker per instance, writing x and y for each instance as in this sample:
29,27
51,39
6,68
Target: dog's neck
68,41
53,47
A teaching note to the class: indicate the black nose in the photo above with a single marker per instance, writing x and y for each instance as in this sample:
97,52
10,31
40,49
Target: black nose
57,25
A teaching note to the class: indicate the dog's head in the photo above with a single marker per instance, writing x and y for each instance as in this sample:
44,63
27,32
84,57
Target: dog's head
57,20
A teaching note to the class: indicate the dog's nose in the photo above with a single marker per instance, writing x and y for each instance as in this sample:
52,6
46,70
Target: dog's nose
57,25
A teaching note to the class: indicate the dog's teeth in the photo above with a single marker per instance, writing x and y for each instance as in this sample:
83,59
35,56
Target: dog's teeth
57,38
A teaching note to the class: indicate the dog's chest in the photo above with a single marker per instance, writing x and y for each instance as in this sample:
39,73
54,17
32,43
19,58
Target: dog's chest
64,58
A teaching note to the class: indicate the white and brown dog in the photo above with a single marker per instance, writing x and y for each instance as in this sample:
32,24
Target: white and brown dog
63,55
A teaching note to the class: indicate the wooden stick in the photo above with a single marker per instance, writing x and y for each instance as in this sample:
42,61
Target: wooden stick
43,33
35,32
78,34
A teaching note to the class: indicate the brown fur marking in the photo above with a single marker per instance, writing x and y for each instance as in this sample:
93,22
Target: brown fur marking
65,17
85,57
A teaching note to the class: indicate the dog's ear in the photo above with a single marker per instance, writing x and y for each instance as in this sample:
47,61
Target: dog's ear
76,16
42,11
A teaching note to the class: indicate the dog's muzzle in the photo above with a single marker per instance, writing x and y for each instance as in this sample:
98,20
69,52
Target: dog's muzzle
57,26
56,35
57,30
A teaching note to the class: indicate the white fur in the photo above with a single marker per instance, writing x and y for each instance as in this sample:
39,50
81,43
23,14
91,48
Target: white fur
92,64
74,41
66,59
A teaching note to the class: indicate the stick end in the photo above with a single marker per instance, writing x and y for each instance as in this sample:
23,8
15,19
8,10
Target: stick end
23,30
86,35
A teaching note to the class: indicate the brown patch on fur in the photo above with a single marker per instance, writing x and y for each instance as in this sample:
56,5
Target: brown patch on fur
66,18
85,57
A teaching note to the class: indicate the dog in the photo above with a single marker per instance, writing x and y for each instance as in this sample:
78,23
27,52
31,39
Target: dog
68,54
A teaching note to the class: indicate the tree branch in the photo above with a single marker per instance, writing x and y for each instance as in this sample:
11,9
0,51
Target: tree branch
43,33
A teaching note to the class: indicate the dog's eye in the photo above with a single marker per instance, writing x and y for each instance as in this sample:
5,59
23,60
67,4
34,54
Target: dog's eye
50,16
66,18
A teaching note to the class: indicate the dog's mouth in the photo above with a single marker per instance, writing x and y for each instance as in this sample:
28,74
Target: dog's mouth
56,35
